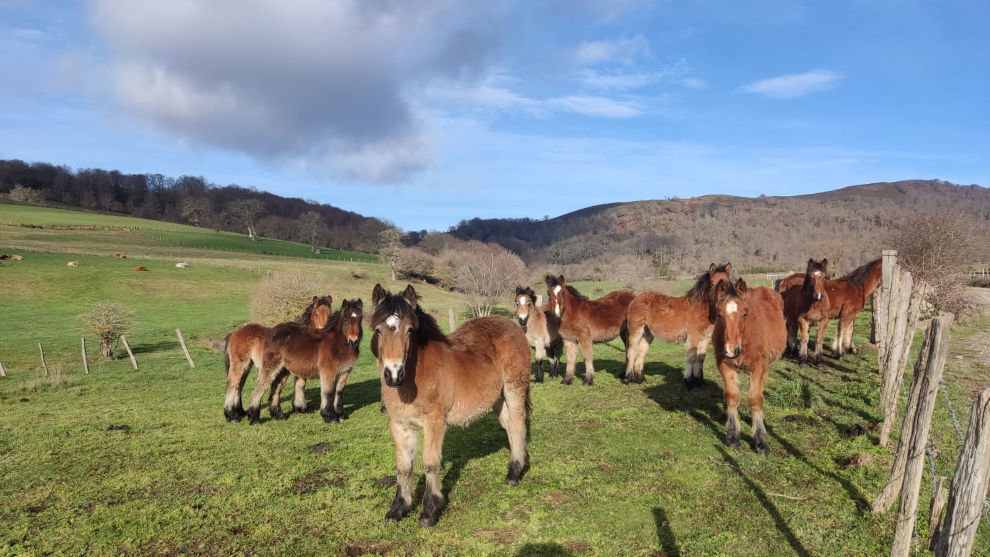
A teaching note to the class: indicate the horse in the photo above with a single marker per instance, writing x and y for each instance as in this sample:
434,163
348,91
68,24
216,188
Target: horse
749,335
847,297
430,381
246,347
584,321
541,330
807,305
328,353
140,269
684,319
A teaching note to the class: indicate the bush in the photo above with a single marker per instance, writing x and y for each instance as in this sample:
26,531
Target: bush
20,194
284,296
107,321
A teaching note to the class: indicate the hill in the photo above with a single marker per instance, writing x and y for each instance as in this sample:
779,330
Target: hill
846,225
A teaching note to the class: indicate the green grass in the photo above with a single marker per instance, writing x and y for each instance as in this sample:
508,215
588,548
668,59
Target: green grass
142,462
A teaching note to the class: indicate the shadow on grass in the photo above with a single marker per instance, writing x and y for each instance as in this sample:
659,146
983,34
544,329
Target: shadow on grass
462,445
668,543
160,346
542,550
356,395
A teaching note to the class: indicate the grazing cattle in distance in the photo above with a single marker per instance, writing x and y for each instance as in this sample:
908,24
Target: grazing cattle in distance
140,269
120,256
182,265
72,263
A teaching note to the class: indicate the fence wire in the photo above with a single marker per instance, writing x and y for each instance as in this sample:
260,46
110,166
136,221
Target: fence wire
955,424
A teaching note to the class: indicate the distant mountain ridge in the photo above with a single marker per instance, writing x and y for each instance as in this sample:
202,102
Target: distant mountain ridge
847,225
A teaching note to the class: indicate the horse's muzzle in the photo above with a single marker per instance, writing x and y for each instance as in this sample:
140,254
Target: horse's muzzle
353,343
394,376
818,296
523,319
733,352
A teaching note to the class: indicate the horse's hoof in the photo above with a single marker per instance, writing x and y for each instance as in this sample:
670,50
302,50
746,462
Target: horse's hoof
689,383
280,417
567,381
588,381
255,421
732,440
427,521
302,410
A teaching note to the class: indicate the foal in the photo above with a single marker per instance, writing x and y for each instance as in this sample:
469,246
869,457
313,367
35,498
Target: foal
430,381
246,347
674,319
541,330
328,353
584,321
749,335
807,305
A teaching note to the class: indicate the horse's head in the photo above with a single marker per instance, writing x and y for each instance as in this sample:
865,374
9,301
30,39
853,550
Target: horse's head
525,303
814,278
556,298
731,309
394,323
319,311
704,288
351,314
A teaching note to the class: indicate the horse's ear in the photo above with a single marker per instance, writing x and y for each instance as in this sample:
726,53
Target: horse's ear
519,290
316,300
728,269
359,304
378,294
560,279
711,268
811,263
825,265
410,295
741,288
549,280
329,300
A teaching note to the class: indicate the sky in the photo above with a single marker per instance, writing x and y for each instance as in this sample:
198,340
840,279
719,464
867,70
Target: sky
427,112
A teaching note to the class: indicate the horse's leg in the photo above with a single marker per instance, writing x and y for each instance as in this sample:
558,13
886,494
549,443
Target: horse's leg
512,415
237,374
837,339
275,396
265,375
338,399
757,377
791,337
299,396
803,346
432,448
589,360
570,349
691,353
699,358
820,340
327,388
632,352
541,352
848,336
731,405
556,347
405,454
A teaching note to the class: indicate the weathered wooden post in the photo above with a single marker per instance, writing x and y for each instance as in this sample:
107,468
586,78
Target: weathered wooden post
43,364
3,372
184,349
450,318
85,359
935,510
129,353
906,474
969,484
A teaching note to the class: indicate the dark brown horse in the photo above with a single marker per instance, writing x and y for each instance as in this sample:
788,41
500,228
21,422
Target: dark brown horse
328,353
807,305
847,297
431,381
686,319
749,335
584,322
246,347
541,327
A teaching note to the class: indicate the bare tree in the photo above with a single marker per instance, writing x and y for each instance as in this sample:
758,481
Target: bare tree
311,225
389,243
486,273
245,213
195,210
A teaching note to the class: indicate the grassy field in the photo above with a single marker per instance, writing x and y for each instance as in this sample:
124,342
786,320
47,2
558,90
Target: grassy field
142,462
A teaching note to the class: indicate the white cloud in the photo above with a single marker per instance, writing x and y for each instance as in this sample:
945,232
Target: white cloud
618,79
623,50
794,85
596,106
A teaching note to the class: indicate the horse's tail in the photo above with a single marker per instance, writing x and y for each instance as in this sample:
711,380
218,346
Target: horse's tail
226,354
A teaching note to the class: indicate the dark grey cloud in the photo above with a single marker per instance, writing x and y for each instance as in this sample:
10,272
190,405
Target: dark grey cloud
324,83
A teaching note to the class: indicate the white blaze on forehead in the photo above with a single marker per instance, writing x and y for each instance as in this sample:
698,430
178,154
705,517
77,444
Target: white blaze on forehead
818,273
353,314
556,289
392,321
731,308
522,300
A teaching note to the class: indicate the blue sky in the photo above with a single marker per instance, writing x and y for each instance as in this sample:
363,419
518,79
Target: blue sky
426,112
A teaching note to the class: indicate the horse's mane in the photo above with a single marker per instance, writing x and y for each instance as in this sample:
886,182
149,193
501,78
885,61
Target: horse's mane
858,276
395,304
552,282
702,285
304,318
528,292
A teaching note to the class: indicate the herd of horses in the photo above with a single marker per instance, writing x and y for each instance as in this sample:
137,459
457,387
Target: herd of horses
431,380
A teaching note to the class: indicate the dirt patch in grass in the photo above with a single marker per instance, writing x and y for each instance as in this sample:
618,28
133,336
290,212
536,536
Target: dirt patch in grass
556,497
320,448
858,429
384,481
35,509
120,427
314,481
576,547
503,536
801,419
370,547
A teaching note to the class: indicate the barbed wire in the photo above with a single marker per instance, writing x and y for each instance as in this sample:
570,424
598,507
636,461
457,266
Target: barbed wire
955,425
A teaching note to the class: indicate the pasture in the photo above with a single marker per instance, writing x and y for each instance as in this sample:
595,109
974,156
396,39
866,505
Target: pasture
143,462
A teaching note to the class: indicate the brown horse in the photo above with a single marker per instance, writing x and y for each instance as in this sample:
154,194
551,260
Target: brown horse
430,381
807,305
584,321
847,297
541,330
328,353
674,319
749,335
246,347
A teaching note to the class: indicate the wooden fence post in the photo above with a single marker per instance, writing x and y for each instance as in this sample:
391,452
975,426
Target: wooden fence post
929,372
129,353
450,317
184,349
935,510
43,364
969,484
3,372
85,359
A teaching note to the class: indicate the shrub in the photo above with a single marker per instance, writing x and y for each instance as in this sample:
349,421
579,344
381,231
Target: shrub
284,296
107,321
20,194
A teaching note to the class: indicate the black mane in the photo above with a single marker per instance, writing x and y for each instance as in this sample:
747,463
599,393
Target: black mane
704,284
425,325
858,276
528,292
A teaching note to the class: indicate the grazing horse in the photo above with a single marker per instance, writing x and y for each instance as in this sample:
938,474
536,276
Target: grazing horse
807,305
430,381
584,321
749,335
541,330
847,297
246,347
674,319
328,353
